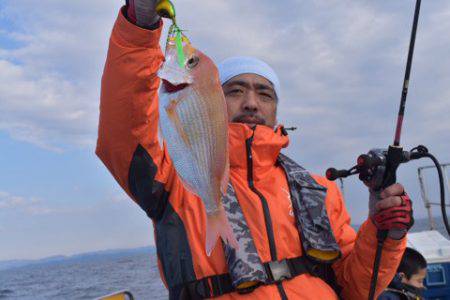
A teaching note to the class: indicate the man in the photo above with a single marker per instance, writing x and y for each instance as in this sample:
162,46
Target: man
296,227
408,282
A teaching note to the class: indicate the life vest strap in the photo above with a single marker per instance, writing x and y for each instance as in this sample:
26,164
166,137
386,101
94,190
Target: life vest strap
277,271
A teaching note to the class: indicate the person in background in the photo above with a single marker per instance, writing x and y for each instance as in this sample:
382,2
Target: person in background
408,282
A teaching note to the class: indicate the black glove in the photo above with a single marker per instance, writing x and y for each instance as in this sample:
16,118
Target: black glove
143,13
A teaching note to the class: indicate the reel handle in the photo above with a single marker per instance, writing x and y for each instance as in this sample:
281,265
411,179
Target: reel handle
333,174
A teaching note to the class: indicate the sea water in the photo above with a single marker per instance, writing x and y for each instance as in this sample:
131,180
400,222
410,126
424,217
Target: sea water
94,276
85,278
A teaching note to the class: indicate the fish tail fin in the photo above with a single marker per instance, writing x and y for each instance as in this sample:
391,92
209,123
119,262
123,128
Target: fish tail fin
217,225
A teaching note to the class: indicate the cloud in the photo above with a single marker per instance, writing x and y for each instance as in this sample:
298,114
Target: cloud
45,110
13,202
341,65
338,60
50,78
9,201
29,206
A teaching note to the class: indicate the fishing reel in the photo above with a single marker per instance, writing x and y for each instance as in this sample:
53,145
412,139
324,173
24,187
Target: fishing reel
377,169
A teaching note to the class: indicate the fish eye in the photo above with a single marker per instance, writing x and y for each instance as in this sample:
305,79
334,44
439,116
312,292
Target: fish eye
192,62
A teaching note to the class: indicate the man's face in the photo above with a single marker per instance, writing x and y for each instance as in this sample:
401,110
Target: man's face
251,99
416,279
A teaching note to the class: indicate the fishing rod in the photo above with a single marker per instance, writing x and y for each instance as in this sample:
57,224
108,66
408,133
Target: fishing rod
378,167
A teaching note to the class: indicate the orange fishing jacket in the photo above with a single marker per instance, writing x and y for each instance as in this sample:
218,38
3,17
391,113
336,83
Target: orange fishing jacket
128,146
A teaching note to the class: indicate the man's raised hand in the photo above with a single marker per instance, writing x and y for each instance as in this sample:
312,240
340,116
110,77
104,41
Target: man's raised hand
143,13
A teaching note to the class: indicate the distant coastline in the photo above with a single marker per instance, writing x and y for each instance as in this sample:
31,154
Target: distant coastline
107,254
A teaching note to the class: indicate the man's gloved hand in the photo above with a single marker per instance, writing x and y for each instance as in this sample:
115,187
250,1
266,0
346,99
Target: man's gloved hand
143,13
391,209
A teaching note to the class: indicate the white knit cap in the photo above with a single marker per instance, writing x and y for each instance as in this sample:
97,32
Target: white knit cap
238,65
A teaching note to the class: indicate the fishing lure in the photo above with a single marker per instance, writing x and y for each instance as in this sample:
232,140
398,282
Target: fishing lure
166,9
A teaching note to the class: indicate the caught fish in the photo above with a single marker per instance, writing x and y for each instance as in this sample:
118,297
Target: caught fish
194,126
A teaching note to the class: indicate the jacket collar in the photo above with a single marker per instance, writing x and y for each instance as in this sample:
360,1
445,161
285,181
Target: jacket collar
266,146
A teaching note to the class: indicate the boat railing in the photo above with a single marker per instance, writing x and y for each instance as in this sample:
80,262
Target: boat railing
425,193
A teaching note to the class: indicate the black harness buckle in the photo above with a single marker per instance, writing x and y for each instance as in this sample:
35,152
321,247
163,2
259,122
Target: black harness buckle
278,270
313,269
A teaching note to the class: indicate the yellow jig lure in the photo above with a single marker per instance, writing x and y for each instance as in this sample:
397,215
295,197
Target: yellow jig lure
166,9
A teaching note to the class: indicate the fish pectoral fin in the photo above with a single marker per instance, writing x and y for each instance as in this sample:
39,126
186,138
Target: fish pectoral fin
217,225
171,110
225,179
171,106
160,137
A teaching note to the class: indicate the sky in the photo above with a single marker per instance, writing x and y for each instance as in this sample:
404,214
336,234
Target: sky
341,66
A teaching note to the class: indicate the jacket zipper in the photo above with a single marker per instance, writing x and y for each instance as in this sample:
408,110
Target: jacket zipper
267,218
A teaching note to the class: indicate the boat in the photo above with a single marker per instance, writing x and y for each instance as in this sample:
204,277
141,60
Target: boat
119,295
432,244
436,250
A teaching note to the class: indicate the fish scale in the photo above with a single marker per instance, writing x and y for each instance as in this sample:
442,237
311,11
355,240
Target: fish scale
187,111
